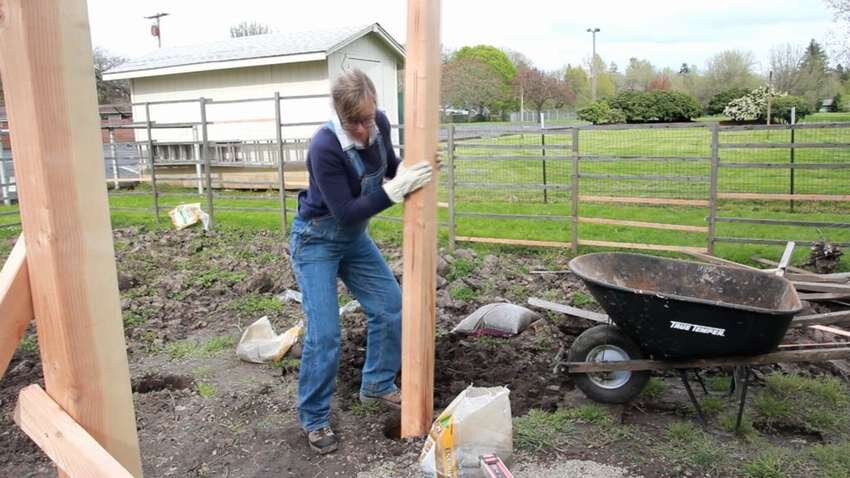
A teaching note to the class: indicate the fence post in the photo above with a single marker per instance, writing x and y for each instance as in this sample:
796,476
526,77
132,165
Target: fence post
113,149
543,150
450,145
712,191
205,154
152,162
793,129
574,191
196,156
278,134
4,189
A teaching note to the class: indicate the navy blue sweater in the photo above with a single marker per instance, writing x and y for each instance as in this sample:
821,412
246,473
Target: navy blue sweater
334,184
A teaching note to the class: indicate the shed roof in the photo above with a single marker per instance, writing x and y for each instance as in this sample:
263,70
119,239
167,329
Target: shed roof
255,50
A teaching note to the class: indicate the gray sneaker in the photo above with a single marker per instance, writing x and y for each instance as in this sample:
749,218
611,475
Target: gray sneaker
323,440
392,399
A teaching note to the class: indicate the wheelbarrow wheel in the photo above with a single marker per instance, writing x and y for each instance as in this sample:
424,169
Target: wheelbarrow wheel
606,343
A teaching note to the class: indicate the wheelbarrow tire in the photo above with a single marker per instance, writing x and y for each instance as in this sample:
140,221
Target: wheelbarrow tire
608,387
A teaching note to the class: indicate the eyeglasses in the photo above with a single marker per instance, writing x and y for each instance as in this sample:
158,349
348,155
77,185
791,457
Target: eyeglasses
364,121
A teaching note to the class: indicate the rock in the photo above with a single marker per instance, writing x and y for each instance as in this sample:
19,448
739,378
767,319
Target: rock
397,266
125,281
441,282
442,266
467,254
23,367
491,262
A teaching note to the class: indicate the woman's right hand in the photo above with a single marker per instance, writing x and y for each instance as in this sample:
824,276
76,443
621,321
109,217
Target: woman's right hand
408,179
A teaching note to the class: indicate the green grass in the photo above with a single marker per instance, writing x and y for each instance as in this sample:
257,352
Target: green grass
580,299
365,409
461,268
815,404
654,389
206,390
831,460
192,348
29,344
256,305
540,429
689,447
462,293
771,463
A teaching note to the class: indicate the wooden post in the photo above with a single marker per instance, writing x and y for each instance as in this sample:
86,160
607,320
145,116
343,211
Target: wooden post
205,155
15,303
543,152
574,192
450,151
152,158
4,187
712,187
422,98
278,134
47,67
113,151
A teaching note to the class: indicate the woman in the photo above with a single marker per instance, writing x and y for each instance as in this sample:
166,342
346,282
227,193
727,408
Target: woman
348,160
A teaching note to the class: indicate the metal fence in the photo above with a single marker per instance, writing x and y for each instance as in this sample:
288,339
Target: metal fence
700,184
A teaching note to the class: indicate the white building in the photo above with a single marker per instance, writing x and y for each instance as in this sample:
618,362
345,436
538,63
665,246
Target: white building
293,64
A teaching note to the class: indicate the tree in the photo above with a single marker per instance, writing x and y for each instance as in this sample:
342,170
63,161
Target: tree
841,9
471,84
579,83
785,62
684,69
638,74
728,69
246,29
544,89
117,91
498,61
661,82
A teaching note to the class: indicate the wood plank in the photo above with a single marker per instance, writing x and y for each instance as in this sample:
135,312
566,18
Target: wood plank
838,317
46,64
643,200
647,225
569,310
771,263
821,286
421,120
825,296
831,330
513,242
645,247
817,344
785,356
68,444
15,303
812,277
785,197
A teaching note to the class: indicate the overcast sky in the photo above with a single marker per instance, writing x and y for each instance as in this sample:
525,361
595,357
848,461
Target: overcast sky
550,33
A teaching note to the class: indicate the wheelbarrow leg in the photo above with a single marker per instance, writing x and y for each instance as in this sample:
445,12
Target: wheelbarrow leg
742,373
684,375
701,382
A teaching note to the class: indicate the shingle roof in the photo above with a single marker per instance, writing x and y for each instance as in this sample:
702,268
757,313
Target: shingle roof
256,46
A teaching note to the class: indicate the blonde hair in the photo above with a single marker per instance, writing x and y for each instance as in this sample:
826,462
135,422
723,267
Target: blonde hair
350,92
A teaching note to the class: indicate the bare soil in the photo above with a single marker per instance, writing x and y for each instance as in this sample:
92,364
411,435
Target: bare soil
186,296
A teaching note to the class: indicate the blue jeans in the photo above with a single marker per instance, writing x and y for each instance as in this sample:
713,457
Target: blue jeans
321,251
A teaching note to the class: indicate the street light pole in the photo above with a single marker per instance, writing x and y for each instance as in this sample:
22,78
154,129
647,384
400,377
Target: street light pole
593,31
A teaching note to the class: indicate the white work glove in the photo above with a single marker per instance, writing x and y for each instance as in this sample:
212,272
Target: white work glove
408,179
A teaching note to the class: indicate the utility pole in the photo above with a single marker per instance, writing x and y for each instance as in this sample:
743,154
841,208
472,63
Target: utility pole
593,31
155,30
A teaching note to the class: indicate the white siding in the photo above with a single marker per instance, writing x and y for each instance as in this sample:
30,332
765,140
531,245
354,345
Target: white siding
237,121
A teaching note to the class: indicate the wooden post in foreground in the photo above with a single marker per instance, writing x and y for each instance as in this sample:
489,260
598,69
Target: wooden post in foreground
48,78
421,120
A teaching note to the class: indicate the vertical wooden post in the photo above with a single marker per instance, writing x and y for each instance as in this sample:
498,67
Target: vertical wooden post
205,155
152,158
574,185
450,145
46,61
113,151
278,135
4,187
421,110
712,188
543,152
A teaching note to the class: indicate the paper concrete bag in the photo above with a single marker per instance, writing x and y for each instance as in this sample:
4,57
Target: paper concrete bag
259,343
185,215
477,422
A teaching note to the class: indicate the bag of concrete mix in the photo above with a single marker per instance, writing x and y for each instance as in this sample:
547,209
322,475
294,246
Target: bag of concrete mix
260,344
185,215
499,319
477,422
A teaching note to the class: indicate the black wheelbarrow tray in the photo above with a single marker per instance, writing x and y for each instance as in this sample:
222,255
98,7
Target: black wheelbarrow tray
679,315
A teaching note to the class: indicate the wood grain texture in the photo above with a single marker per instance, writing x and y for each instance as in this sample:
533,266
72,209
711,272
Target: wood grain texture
68,444
421,120
15,303
47,69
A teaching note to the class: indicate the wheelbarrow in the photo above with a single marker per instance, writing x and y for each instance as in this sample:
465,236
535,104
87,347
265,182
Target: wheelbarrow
675,314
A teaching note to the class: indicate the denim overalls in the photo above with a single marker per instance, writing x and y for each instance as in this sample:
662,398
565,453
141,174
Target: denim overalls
321,250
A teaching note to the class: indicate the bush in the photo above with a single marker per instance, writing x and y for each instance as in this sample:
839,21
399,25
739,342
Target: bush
752,106
656,106
601,112
718,103
780,109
